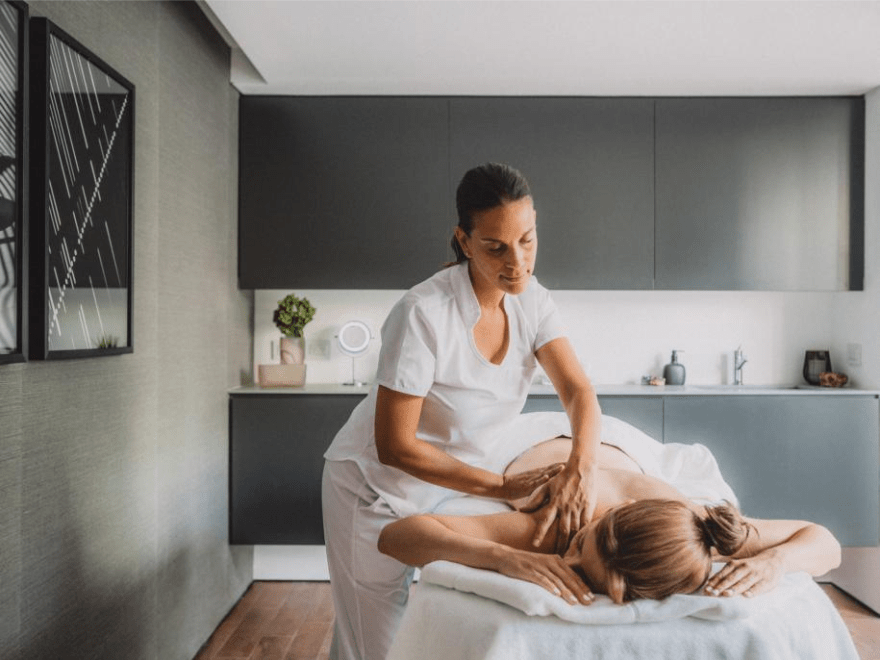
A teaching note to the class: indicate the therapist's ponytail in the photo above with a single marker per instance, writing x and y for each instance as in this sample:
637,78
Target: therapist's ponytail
483,188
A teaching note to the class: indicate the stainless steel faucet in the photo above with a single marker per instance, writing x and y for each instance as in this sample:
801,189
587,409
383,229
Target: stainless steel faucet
738,361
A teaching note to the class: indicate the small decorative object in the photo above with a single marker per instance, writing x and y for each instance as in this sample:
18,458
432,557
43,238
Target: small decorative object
816,362
13,181
354,339
290,317
656,381
674,372
831,379
81,149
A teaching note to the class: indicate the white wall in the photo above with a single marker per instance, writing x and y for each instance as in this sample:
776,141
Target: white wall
619,335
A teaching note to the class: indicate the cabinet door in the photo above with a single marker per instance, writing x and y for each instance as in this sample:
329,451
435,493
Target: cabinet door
810,458
343,193
762,194
645,413
590,165
277,444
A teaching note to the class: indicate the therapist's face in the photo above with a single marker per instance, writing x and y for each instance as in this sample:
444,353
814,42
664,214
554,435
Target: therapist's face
502,246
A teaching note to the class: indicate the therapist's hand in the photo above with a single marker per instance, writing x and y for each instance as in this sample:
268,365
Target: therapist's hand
523,484
571,497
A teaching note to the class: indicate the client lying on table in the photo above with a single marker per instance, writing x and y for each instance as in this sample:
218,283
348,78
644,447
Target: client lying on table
646,540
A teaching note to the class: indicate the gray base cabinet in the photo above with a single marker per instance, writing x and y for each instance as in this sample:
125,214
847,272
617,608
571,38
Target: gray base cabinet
276,452
788,456
802,457
643,412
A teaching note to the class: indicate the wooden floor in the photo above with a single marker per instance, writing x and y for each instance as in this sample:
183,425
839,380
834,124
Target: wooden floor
294,621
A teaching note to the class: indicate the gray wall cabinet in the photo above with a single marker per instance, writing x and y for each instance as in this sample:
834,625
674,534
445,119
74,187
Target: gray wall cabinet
343,193
590,165
747,193
786,456
813,458
760,194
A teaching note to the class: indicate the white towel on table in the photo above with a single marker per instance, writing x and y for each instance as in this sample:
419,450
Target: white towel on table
534,600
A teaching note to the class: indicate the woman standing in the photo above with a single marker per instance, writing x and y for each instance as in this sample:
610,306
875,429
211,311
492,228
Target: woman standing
458,354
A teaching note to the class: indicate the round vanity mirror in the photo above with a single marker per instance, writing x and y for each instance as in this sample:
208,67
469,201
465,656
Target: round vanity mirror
354,337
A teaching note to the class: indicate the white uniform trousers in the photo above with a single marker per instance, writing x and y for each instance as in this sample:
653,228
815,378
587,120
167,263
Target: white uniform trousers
370,589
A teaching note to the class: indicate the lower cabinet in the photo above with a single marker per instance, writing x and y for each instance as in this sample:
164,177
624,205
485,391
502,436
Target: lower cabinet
276,447
802,457
643,412
812,457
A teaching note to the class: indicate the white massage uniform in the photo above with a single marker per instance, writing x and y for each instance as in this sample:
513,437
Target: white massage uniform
428,350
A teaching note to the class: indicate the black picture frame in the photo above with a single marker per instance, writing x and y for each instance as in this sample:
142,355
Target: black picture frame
13,181
81,200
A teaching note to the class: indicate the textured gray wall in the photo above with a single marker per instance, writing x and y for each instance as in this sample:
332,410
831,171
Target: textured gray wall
113,471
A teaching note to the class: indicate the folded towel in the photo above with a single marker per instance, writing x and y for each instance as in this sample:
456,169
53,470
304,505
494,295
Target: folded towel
534,600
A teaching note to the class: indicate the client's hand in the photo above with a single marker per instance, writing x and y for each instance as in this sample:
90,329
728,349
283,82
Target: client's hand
526,483
748,577
548,571
570,496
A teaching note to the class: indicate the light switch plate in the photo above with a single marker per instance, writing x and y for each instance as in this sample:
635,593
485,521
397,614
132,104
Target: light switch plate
854,355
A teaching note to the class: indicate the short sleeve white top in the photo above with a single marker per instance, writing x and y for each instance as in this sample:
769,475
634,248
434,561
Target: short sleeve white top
428,350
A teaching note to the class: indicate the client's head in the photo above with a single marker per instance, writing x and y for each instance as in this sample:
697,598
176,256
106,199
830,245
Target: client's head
655,548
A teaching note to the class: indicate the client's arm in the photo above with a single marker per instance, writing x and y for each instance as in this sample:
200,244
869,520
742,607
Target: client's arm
481,542
774,548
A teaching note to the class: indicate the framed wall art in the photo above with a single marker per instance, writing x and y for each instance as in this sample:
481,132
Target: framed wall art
13,180
81,150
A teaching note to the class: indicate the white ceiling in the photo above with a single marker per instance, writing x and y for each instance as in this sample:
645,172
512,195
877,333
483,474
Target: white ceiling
545,47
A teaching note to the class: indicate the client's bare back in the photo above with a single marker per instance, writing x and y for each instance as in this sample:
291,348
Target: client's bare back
620,477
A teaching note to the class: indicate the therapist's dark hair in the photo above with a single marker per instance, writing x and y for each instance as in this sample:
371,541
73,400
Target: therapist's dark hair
482,188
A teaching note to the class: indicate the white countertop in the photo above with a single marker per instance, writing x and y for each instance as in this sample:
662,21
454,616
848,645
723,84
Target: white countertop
601,390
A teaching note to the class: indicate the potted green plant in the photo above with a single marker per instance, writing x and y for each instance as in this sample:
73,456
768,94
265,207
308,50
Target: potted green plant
291,317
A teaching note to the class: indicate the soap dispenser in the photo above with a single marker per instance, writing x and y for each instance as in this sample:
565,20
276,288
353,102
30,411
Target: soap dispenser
674,371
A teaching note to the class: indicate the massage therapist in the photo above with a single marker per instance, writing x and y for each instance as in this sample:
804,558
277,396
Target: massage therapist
458,354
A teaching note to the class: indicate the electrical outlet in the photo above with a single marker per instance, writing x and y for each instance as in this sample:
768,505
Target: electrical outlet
319,348
854,355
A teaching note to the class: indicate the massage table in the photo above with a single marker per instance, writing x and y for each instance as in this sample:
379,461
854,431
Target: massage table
462,613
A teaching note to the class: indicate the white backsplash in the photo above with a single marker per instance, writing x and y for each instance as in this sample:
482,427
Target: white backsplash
619,336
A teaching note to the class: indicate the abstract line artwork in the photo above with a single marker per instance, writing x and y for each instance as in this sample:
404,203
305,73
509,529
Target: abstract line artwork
87,207
13,17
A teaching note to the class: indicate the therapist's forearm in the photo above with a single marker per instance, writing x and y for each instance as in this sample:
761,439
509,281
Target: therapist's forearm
428,463
585,416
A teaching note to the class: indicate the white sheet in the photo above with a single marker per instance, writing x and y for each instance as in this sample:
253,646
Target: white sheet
796,622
